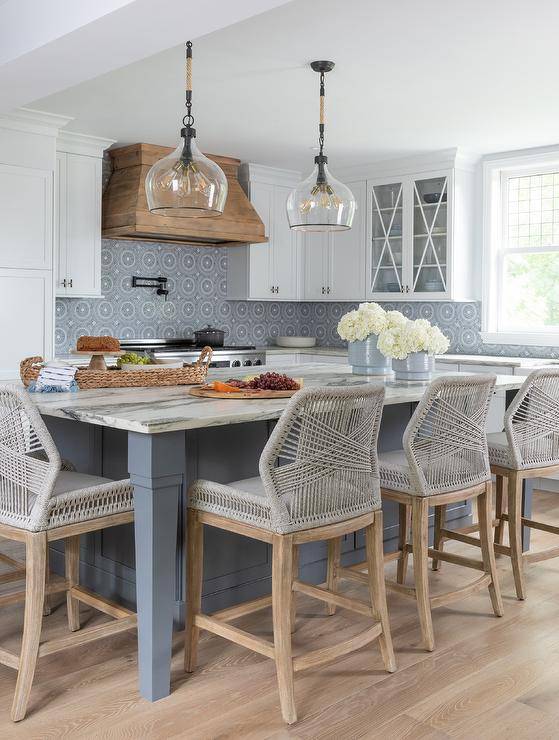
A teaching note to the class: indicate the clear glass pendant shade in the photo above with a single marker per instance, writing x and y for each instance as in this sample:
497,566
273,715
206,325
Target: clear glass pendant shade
186,182
320,203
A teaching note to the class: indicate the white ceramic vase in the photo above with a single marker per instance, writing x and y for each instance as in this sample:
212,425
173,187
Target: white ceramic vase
366,359
416,366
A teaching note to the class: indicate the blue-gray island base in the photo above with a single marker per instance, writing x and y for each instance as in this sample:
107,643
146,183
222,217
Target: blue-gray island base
163,439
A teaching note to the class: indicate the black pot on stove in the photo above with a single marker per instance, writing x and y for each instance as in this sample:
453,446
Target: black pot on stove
209,337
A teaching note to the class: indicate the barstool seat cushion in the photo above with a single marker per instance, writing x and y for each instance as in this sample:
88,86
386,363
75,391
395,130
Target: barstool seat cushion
395,472
244,500
499,450
79,497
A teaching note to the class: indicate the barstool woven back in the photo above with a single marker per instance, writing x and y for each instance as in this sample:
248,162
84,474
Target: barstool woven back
29,461
320,464
445,441
532,421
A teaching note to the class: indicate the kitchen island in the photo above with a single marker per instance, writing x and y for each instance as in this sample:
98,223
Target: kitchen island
164,438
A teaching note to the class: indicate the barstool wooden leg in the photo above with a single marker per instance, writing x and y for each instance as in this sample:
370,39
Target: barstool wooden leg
420,533
485,513
499,509
440,515
375,568
35,567
46,602
334,556
404,516
282,585
195,548
515,531
72,567
295,578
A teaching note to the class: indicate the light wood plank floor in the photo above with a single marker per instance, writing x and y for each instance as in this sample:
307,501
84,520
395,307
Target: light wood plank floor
488,677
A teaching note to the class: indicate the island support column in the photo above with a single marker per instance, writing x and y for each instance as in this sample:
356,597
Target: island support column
156,465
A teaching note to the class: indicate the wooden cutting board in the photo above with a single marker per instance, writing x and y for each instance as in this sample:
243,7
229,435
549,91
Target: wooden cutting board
205,392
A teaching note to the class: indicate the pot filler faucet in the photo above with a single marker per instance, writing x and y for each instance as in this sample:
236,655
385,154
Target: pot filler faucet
151,282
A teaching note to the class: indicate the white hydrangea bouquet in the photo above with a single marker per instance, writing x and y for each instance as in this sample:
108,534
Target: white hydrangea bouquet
368,319
361,329
408,337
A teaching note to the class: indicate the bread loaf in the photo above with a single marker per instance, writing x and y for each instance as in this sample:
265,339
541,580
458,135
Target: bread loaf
98,344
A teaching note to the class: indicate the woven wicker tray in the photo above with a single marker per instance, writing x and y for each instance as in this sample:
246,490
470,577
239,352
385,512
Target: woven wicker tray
114,378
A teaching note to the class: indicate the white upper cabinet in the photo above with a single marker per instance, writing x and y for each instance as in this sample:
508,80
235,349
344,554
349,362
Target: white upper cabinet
27,170
78,214
420,235
334,262
26,217
268,271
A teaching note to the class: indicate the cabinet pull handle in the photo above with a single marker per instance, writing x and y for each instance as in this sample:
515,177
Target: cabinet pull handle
70,283
328,290
64,283
322,290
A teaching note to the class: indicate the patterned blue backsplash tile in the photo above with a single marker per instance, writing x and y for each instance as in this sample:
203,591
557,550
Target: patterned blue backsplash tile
197,283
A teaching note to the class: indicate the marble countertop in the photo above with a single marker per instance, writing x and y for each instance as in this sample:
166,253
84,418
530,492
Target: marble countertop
465,359
498,360
156,410
334,351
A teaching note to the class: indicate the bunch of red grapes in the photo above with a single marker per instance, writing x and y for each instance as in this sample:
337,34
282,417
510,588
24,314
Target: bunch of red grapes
267,382
273,382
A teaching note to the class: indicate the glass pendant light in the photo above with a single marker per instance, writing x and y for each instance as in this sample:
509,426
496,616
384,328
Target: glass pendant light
185,182
321,203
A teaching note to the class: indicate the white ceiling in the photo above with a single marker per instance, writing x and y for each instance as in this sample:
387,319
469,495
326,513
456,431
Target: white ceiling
49,46
410,77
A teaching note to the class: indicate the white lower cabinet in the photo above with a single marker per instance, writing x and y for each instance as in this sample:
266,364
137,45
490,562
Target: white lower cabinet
269,271
26,321
300,358
283,359
325,359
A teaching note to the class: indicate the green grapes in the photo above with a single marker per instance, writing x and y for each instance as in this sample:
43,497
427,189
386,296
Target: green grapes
131,358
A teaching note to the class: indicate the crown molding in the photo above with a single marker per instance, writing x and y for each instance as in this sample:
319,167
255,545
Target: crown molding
451,158
34,121
75,143
249,172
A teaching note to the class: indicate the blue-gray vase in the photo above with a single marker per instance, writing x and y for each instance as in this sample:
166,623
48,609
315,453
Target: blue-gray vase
416,366
366,359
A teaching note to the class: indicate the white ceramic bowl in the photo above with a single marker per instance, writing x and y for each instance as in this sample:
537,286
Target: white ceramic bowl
296,342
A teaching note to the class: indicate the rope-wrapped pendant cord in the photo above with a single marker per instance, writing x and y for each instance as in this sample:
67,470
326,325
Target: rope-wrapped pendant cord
188,120
189,66
321,115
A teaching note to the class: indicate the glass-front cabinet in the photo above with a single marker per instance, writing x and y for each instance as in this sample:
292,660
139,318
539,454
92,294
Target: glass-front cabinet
386,202
410,236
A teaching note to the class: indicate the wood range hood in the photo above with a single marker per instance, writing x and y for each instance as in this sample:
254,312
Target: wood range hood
126,214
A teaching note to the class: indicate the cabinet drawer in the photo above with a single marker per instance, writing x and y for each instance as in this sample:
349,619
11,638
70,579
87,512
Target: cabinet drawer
283,359
326,359
467,367
446,367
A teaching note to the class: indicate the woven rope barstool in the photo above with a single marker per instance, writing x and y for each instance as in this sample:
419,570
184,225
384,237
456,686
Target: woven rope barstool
444,460
318,481
41,501
528,448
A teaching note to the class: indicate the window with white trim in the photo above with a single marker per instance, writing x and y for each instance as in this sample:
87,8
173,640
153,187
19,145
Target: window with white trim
521,255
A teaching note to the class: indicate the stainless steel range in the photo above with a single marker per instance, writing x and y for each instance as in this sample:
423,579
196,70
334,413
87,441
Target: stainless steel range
185,349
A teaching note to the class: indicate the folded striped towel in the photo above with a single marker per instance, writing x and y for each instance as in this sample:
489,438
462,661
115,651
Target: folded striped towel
56,375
